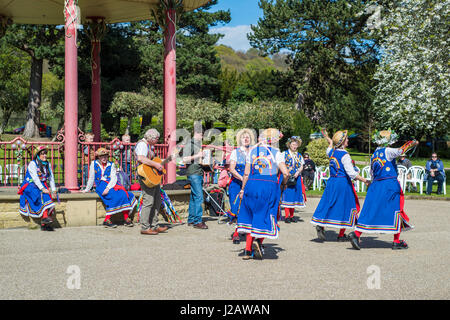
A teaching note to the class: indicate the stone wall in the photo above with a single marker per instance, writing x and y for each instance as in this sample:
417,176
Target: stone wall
77,209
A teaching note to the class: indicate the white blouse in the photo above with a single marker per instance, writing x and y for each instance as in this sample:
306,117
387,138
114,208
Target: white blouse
32,169
91,179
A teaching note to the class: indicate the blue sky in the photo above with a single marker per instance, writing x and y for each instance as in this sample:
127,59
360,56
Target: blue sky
243,14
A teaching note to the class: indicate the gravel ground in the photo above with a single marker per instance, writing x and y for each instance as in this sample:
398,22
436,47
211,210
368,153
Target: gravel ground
187,263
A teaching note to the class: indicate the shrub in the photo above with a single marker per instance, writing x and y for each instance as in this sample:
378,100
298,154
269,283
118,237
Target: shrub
317,150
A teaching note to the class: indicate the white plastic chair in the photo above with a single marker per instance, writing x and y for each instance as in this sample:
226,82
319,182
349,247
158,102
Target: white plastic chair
1,174
316,177
401,177
356,183
365,173
13,171
416,176
324,175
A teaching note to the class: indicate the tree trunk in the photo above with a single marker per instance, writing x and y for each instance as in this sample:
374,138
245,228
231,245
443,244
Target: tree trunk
5,120
34,100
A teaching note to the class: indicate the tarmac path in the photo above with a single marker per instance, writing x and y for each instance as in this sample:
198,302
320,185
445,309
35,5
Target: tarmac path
192,264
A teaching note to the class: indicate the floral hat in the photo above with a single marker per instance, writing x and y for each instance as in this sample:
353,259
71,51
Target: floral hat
385,137
339,138
101,152
271,135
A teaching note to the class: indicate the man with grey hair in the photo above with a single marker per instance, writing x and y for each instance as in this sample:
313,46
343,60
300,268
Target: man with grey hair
151,199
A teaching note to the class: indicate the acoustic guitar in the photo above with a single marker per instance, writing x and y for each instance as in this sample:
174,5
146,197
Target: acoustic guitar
150,176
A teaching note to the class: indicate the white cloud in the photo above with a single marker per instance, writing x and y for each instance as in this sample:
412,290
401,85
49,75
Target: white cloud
234,37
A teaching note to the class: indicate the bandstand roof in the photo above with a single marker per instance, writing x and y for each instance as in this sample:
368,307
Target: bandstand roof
114,11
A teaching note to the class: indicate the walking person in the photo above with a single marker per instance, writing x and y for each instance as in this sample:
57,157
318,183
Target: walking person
151,196
116,199
383,210
339,205
245,139
260,193
294,196
38,191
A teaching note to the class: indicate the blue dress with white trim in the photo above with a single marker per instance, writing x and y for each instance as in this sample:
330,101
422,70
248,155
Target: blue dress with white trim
117,199
293,196
383,207
339,206
235,185
33,202
260,204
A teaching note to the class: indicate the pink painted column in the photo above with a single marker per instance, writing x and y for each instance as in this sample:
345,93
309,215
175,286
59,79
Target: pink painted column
71,98
170,91
96,27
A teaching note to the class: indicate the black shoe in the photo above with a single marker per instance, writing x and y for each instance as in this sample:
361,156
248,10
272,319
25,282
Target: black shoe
46,227
128,223
293,220
399,245
46,221
109,224
354,241
236,239
321,233
287,220
344,238
256,249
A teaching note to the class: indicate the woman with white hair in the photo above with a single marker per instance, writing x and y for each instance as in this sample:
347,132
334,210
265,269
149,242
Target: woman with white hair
383,210
245,138
260,193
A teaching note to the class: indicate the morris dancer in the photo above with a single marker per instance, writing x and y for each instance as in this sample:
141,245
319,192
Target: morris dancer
260,194
245,139
383,206
339,205
36,200
294,196
113,195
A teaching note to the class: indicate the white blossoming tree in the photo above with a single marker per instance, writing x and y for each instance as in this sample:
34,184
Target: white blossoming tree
412,93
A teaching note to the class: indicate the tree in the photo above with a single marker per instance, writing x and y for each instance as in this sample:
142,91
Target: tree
412,95
39,42
131,104
14,68
198,66
328,46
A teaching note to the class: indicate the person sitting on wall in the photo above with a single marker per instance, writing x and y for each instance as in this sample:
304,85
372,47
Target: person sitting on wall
113,195
36,197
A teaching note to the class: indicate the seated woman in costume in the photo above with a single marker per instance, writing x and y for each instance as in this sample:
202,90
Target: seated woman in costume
36,199
114,196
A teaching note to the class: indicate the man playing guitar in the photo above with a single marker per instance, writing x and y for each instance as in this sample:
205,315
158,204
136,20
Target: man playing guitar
151,196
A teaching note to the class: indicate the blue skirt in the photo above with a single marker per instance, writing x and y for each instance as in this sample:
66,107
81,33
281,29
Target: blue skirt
116,200
233,193
383,209
33,202
259,209
293,196
339,205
